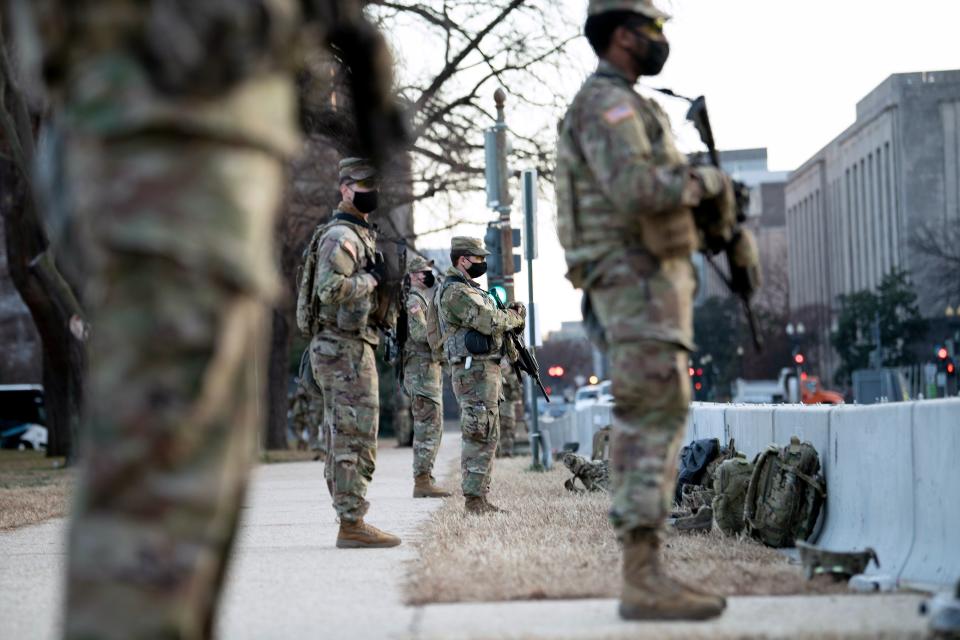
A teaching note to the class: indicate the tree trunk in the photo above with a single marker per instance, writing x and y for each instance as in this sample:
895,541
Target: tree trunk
55,311
277,377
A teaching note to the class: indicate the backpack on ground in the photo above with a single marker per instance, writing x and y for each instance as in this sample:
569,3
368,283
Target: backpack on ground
730,482
694,459
785,494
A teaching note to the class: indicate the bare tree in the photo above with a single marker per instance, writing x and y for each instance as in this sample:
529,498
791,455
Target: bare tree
468,50
55,309
938,247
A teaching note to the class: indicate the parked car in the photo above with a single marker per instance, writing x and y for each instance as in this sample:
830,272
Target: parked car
22,417
586,396
606,392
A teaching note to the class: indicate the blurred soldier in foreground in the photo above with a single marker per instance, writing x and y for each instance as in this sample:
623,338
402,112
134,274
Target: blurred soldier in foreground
348,271
473,330
178,119
625,218
512,392
423,380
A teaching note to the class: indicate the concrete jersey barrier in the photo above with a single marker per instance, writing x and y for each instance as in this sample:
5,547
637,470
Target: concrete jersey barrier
892,471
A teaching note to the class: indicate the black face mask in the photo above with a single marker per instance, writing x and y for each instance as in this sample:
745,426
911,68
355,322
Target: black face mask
365,201
477,269
656,56
428,279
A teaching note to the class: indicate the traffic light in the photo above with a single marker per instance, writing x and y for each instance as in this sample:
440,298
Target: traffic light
798,357
942,353
515,239
499,292
495,259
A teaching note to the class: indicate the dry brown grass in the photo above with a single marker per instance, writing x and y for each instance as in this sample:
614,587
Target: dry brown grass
33,488
555,544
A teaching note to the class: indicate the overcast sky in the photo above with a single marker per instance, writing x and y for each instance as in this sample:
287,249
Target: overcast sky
780,74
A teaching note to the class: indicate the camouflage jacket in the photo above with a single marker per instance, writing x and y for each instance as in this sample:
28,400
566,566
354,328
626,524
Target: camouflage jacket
346,291
218,71
417,343
463,307
219,68
617,170
622,212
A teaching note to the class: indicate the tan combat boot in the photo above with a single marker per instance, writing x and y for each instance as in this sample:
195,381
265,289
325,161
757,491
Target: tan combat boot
360,535
423,487
478,505
649,594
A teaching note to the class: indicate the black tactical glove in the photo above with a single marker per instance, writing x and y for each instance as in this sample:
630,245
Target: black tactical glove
378,267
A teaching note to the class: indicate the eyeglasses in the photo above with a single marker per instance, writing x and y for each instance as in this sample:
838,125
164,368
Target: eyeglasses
656,25
366,183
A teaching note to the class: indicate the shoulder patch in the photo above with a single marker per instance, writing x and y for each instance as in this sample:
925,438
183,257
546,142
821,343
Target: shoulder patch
414,307
349,248
620,112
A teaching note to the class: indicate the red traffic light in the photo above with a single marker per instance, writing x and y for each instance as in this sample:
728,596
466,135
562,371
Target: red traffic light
698,386
951,368
942,353
799,359
699,372
692,372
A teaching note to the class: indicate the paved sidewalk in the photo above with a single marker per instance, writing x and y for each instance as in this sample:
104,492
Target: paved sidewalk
289,581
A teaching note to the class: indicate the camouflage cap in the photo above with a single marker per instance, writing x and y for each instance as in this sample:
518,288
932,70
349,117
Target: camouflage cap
468,246
643,7
418,263
357,169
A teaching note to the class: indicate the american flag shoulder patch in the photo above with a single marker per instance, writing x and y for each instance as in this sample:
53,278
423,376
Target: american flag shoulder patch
618,113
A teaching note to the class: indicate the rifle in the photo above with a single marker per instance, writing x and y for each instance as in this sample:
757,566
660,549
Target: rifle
403,328
740,282
526,362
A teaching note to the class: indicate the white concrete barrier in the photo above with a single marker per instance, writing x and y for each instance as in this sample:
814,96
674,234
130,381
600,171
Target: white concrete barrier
935,557
751,426
706,420
870,483
892,471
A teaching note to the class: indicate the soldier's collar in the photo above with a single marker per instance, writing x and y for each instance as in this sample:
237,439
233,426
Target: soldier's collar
607,70
349,217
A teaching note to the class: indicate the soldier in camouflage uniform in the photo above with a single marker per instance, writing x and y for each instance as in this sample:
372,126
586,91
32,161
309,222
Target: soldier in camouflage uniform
512,392
306,416
423,380
625,197
348,271
472,328
594,474
177,120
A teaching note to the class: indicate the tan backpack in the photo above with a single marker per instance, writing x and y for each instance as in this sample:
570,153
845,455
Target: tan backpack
307,302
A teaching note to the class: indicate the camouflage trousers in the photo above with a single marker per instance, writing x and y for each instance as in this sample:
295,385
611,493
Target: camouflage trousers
478,391
346,371
422,380
174,402
651,388
508,426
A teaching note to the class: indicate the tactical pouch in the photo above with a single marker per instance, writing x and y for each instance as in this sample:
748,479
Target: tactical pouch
352,316
477,343
669,235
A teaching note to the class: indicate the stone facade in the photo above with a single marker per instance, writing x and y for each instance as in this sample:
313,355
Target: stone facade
851,208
